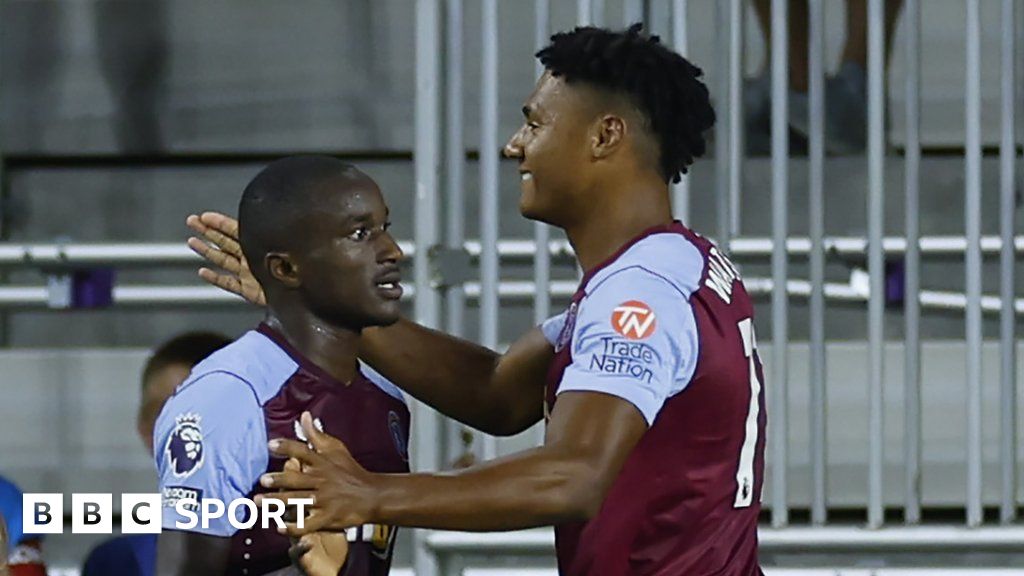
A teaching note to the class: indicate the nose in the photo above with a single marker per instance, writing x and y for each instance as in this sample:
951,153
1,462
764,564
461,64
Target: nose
514,147
390,251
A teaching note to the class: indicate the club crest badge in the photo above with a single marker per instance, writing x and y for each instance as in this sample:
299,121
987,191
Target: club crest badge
566,334
395,426
184,447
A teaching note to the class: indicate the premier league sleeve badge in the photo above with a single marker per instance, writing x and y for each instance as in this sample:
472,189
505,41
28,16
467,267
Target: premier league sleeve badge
185,445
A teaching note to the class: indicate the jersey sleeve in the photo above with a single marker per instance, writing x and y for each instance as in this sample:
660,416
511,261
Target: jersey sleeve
552,328
211,443
635,338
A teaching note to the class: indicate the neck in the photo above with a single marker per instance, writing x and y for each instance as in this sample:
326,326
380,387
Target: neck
622,214
331,348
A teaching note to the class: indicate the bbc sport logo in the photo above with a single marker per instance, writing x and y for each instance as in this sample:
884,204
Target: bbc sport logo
141,513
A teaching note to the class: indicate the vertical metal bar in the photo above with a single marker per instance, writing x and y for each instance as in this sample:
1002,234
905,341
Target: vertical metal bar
876,259
632,12
911,297
972,260
722,128
455,162
1007,318
489,188
584,13
681,189
426,230
455,159
541,232
597,12
819,462
735,113
780,301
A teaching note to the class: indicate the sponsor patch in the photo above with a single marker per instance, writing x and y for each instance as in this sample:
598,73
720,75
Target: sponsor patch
185,445
625,358
634,320
173,494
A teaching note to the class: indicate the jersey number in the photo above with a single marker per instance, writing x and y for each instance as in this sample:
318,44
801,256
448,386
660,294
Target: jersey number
745,470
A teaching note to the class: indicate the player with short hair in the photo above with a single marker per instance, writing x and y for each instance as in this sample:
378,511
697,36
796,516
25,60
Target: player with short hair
650,383
323,287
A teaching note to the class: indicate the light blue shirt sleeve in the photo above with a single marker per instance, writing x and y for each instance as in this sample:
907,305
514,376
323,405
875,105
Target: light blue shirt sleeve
635,338
552,327
211,443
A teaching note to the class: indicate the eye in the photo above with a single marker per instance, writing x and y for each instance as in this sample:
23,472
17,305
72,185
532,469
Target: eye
533,126
359,234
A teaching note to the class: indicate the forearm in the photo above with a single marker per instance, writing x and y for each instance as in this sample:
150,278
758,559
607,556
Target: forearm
538,487
458,378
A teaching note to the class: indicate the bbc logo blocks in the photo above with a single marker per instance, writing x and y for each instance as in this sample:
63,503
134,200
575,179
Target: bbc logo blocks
91,513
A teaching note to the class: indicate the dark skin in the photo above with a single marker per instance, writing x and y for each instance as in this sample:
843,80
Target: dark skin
590,170
321,292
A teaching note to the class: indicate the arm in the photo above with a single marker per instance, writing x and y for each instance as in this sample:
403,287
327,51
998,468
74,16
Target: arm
589,438
191,554
596,423
500,394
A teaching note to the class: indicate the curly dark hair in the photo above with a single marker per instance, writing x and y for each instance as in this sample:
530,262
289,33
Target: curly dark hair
663,85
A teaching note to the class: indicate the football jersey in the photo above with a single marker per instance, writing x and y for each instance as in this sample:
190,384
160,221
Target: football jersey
666,325
211,441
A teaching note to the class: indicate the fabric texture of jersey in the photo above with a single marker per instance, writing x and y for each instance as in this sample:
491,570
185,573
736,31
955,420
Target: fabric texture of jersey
211,441
666,325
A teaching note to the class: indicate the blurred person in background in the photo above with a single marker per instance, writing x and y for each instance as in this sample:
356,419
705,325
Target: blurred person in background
845,91
23,552
166,368
3,546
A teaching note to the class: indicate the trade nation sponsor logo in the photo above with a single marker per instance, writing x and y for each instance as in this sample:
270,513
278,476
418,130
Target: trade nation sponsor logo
634,320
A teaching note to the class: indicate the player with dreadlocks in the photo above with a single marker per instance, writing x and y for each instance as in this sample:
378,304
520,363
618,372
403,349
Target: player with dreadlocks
650,382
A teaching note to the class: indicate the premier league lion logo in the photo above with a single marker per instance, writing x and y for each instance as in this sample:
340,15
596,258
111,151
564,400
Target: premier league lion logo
185,445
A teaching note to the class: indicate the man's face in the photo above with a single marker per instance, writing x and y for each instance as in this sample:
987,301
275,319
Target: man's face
553,150
348,265
156,390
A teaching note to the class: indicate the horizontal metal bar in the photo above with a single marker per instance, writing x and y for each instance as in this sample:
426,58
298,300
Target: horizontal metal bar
508,290
902,539
175,253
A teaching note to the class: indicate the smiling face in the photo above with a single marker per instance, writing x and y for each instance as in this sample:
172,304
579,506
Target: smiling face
553,148
347,264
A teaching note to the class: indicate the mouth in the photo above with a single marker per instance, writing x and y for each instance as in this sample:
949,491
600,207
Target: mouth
389,285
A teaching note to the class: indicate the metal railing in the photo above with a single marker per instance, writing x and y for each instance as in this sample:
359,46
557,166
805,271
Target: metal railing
440,166
729,170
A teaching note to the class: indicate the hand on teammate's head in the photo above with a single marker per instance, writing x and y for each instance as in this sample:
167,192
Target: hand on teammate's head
217,243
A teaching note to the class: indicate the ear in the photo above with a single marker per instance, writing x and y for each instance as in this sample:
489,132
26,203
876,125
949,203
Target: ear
609,134
283,268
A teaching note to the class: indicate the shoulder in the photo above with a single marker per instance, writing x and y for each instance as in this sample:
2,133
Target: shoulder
378,380
253,359
670,260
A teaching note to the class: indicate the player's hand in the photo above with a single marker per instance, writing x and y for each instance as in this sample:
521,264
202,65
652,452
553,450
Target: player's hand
218,244
344,492
320,553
